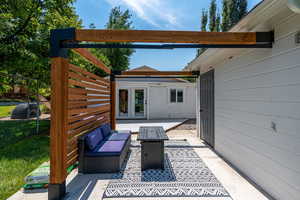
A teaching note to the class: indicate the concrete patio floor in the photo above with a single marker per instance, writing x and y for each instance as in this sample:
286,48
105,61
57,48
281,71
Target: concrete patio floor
92,187
134,124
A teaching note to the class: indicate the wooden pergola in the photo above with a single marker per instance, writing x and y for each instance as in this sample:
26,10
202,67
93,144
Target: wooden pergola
82,101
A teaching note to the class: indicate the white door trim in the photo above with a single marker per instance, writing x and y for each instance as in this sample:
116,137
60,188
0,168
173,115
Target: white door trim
133,89
131,106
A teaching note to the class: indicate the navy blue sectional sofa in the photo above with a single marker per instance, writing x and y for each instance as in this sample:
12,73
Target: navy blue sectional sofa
103,150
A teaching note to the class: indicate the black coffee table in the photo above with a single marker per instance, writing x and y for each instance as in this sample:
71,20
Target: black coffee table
152,140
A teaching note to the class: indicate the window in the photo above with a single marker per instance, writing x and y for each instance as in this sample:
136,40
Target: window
176,95
173,95
179,96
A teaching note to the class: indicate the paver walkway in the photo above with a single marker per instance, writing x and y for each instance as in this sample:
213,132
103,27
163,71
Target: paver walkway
92,187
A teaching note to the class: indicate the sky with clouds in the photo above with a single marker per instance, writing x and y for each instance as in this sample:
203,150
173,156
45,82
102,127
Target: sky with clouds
152,15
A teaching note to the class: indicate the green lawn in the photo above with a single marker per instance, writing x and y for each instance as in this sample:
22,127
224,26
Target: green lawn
21,151
12,131
6,110
20,158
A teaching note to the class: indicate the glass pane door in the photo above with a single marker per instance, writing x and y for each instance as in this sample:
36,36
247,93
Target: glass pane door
123,102
139,100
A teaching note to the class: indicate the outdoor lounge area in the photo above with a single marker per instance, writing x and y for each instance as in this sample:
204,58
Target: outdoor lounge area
192,171
215,117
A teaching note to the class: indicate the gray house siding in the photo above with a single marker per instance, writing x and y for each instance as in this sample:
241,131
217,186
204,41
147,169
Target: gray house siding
257,112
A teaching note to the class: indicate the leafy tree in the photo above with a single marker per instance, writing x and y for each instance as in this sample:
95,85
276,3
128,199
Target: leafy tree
92,26
225,25
24,35
232,12
218,23
204,19
5,85
115,58
212,15
119,58
242,8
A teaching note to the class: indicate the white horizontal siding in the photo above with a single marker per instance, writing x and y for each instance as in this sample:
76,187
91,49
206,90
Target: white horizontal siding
160,107
252,91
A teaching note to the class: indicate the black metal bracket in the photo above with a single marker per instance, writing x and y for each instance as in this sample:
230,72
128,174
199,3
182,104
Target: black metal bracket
196,73
56,191
265,37
112,77
57,37
114,73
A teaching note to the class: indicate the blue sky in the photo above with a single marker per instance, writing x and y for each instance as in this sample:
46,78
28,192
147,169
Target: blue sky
152,15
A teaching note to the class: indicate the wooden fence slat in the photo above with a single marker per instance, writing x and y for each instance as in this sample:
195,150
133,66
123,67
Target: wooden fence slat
90,57
74,104
89,74
72,153
72,161
77,91
72,146
86,128
83,91
75,97
86,110
79,77
84,122
84,116
86,85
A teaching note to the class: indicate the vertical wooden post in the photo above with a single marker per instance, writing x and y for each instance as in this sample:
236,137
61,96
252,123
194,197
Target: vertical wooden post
58,131
113,101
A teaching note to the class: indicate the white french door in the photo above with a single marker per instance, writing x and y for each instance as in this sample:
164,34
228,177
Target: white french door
132,103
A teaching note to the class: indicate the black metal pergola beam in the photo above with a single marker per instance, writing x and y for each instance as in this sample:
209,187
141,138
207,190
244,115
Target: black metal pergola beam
163,46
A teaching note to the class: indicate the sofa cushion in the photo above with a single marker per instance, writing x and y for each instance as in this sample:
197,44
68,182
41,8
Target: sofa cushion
118,136
100,131
93,138
112,146
107,148
106,130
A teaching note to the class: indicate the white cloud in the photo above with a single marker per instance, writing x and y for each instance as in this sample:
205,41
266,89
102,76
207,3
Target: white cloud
155,12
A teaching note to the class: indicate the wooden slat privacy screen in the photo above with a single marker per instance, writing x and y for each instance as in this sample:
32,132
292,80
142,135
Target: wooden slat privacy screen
87,112
85,100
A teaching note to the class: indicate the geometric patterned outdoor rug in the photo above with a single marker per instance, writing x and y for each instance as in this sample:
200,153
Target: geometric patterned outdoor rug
185,175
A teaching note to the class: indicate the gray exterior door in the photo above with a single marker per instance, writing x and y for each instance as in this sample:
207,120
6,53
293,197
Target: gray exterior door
207,100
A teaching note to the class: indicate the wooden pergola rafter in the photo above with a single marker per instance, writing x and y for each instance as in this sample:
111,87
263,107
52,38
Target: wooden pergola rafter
73,87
